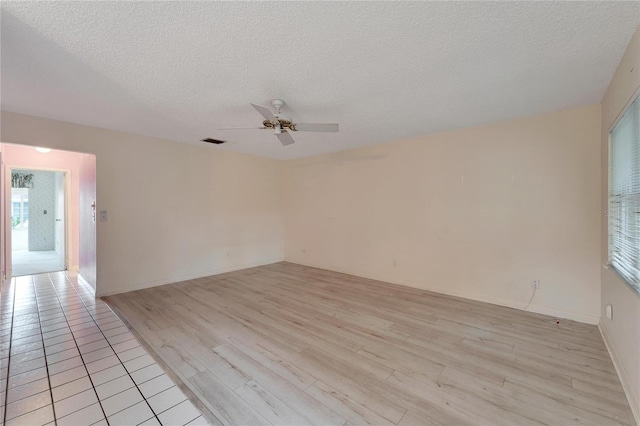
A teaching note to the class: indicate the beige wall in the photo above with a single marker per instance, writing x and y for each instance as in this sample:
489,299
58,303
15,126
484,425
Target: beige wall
622,334
175,211
476,213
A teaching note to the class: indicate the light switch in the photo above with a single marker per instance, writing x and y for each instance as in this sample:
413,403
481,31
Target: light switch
103,215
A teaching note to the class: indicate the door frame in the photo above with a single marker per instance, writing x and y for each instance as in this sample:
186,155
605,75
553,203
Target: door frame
8,253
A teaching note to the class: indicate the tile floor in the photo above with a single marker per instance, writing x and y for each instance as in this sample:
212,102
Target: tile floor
24,262
67,359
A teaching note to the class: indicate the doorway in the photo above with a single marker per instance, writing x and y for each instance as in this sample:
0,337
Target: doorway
38,221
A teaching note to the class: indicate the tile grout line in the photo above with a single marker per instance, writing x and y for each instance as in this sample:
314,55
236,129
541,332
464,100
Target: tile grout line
41,338
56,296
116,354
46,364
6,385
80,353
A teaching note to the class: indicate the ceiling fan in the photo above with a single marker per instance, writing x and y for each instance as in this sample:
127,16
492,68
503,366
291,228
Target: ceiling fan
282,124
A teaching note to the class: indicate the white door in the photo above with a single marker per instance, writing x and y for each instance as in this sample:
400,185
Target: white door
59,212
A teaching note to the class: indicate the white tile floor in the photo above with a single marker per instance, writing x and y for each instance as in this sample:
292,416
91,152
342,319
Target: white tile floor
67,359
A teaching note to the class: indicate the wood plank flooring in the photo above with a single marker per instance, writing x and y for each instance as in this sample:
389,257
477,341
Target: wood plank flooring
286,344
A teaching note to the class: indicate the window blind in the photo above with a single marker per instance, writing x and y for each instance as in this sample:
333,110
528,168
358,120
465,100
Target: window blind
624,195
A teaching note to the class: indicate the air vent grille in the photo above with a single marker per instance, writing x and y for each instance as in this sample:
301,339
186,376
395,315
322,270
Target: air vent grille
211,140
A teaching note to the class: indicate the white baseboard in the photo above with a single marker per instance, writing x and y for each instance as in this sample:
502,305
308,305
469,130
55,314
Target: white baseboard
574,316
630,392
588,319
149,284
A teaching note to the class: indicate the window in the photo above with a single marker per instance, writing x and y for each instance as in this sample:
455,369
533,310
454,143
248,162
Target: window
624,196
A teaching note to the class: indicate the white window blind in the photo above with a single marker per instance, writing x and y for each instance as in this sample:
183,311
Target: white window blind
624,196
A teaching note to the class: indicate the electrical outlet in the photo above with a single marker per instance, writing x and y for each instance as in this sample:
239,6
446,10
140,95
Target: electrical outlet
535,283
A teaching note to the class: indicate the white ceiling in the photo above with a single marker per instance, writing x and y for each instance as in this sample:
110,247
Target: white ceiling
383,70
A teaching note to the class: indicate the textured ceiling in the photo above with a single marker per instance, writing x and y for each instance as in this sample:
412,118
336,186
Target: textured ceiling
383,70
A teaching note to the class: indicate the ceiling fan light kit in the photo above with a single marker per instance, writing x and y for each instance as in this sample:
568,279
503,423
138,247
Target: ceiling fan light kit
281,124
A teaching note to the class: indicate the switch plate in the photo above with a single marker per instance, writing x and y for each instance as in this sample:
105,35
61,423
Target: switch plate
103,215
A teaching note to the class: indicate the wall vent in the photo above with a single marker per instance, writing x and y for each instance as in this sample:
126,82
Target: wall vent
211,140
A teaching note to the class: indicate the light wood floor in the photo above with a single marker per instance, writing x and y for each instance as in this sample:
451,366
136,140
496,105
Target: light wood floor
288,344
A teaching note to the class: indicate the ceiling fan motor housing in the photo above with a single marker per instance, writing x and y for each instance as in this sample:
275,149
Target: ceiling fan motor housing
277,104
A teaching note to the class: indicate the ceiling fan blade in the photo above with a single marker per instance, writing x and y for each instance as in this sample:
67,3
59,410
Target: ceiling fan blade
317,127
285,138
265,112
241,128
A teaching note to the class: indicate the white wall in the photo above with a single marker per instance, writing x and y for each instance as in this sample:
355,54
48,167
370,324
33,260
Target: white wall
175,211
622,334
476,213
